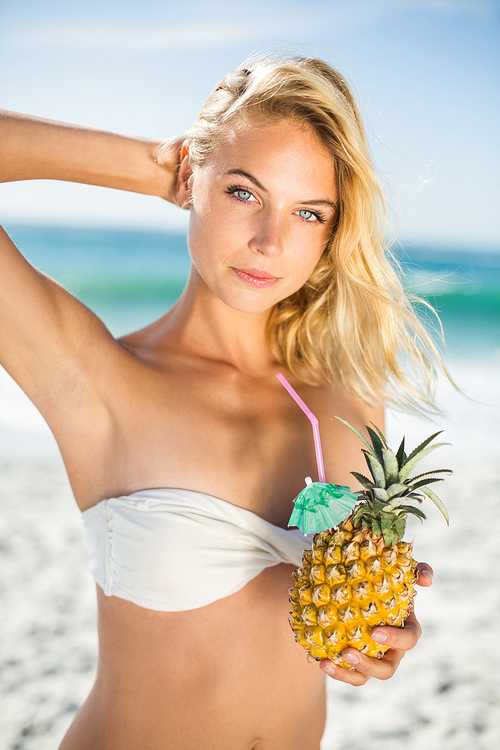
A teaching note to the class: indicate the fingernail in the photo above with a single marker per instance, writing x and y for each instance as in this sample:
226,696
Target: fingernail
427,574
311,659
327,667
379,636
351,658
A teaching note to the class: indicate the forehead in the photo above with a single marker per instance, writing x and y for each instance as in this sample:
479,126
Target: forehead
283,154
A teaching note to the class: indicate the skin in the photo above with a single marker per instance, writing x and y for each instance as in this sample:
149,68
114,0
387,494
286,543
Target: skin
192,401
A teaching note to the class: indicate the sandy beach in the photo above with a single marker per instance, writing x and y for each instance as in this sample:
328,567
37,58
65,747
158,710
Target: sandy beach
446,694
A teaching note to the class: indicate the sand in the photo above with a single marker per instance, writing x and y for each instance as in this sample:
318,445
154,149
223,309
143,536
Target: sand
48,641
446,693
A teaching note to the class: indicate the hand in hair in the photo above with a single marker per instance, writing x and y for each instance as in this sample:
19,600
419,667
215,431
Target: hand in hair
168,155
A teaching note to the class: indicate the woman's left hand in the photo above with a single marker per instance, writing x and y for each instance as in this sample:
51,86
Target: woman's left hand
399,640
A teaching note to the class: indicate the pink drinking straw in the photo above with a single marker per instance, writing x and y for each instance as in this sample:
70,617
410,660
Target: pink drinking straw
313,420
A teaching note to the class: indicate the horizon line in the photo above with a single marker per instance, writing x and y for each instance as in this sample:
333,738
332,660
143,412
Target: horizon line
404,243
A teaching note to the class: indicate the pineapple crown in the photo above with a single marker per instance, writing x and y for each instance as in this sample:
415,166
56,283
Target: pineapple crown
384,501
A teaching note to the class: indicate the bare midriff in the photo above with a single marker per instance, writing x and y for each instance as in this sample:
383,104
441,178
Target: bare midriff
228,676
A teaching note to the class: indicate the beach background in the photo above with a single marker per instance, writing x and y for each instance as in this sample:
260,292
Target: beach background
425,75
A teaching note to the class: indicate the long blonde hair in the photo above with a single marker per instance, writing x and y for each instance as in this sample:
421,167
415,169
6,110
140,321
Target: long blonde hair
352,322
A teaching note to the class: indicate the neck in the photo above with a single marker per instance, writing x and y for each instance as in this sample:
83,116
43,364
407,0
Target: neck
202,325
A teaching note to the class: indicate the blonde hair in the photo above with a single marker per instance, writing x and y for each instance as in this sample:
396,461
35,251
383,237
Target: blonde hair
352,322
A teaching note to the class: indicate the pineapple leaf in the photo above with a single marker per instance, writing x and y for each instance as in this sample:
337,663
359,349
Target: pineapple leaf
397,489
361,510
411,462
364,481
356,432
360,517
414,511
380,494
425,482
414,496
401,455
410,481
377,529
379,433
365,525
377,506
366,454
378,446
391,467
376,468
387,520
391,538
438,502
423,445
400,526
361,513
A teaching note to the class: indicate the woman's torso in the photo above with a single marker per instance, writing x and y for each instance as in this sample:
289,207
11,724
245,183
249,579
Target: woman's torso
228,674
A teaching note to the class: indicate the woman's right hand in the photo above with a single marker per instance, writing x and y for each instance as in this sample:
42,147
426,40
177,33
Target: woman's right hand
168,156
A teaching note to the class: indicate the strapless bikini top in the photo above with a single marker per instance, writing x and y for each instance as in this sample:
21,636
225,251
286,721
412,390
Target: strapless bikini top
173,550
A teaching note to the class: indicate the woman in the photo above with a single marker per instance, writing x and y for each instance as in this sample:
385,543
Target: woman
288,274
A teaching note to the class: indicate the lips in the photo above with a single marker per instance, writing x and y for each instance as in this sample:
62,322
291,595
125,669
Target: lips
254,277
256,273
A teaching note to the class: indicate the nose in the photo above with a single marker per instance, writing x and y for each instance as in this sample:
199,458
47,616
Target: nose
267,237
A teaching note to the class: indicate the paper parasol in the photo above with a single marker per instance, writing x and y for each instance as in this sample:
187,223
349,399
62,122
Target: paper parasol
320,506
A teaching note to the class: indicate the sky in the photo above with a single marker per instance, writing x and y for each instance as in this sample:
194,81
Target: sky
425,72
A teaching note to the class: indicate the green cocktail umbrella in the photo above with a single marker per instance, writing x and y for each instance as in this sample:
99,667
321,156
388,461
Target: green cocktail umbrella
321,506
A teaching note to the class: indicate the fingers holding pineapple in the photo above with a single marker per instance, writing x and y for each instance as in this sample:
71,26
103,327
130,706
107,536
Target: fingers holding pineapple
398,641
425,574
402,639
364,667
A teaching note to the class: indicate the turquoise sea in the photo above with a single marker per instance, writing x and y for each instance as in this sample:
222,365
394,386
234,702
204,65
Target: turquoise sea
130,277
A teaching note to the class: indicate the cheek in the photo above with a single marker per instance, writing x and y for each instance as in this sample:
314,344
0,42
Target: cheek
210,247
305,259
216,235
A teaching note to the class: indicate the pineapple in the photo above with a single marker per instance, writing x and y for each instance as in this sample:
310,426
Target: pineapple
361,574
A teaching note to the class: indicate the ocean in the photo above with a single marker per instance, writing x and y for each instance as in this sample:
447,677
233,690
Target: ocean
130,277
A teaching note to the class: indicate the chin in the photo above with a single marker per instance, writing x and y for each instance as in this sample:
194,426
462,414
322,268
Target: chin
248,301
249,306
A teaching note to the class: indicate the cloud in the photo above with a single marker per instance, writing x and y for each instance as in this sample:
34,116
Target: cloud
221,25
132,39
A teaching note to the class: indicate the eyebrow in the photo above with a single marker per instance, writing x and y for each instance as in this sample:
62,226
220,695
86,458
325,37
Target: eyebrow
248,176
318,202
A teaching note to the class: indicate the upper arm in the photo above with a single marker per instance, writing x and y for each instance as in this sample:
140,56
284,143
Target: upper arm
49,341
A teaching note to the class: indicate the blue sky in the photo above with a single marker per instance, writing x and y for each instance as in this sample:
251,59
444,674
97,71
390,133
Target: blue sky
426,73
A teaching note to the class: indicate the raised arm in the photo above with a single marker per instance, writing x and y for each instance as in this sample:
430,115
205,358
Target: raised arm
36,149
51,344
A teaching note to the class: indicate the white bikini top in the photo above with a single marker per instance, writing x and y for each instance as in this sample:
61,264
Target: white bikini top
173,550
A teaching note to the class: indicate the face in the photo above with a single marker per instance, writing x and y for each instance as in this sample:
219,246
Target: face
262,209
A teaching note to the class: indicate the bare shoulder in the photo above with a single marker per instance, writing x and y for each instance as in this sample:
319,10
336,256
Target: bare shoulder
341,447
334,401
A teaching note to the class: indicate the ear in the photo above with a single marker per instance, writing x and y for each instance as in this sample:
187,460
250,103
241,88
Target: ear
184,178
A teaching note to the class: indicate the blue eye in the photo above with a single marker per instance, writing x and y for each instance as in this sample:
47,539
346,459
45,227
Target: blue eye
307,215
311,217
240,193
243,195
